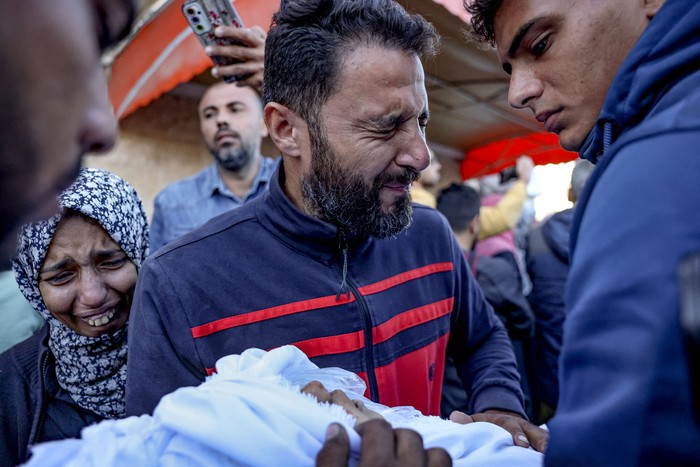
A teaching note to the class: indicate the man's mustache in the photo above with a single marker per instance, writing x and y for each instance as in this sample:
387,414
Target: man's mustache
405,177
226,132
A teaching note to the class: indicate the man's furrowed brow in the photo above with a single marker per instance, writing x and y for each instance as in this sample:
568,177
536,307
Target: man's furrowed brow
386,121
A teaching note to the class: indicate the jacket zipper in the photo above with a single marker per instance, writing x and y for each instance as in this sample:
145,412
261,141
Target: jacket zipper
369,344
347,287
42,402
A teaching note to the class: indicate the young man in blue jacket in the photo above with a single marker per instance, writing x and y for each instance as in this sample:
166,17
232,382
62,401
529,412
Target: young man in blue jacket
333,258
618,81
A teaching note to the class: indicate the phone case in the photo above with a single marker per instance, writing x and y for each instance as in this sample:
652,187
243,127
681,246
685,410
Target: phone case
204,16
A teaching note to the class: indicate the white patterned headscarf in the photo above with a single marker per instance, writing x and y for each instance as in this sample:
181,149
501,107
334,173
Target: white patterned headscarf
91,369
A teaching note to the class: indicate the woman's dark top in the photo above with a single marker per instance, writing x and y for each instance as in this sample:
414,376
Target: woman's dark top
33,406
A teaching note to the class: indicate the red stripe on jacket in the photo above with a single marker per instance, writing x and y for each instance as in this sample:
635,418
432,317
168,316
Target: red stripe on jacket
411,318
405,277
352,341
339,343
315,303
268,313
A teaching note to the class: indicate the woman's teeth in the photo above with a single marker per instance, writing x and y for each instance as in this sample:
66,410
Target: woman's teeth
102,320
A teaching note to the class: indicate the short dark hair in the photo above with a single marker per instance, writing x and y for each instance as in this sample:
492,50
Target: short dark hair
483,13
309,40
459,204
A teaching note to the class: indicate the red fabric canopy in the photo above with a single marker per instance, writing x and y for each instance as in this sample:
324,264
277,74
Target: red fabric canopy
163,52
543,148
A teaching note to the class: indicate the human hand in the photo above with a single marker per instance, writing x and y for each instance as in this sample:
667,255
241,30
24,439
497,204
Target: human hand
524,433
523,167
251,55
355,408
381,446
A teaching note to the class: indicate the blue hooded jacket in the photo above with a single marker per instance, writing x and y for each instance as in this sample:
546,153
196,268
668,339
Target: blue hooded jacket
625,387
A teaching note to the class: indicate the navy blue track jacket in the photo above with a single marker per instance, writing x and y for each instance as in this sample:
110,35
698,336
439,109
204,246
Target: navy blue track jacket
267,275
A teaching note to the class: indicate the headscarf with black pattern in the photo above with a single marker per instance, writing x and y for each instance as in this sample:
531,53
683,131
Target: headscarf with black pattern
91,369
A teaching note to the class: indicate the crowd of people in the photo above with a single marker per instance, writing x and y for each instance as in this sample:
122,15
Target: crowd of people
344,248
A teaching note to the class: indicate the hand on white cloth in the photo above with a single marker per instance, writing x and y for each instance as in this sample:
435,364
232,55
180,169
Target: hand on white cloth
381,445
356,408
524,433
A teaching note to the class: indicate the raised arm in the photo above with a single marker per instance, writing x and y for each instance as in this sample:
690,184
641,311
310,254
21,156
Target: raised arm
505,214
251,54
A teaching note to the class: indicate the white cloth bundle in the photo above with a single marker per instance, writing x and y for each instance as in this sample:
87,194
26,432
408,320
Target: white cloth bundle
250,412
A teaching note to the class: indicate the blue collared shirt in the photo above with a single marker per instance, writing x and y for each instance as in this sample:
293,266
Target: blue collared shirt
189,203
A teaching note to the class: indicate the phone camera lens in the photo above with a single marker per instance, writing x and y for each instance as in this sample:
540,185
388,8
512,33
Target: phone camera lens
191,11
195,19
199,27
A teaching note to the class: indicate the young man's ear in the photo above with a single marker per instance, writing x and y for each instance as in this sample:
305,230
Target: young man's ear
287,130
652,7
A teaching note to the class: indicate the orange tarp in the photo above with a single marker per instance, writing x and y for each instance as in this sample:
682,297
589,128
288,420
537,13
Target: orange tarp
164,53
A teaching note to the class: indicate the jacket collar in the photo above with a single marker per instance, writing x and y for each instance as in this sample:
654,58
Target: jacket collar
665,53
306,234
212,183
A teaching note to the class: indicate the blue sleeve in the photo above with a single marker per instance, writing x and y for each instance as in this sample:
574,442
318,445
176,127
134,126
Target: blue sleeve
624,385
157,228
480,346
162,354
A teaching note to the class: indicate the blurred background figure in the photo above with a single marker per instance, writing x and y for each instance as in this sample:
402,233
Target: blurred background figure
548,267
502,205
502,201
499,279
423,189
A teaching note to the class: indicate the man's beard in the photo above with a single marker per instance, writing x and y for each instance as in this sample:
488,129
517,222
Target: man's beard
342,198
233,159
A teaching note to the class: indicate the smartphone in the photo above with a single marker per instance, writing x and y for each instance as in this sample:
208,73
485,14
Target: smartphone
204,16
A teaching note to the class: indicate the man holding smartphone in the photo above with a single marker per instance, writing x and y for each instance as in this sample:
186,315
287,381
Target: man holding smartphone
231,124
